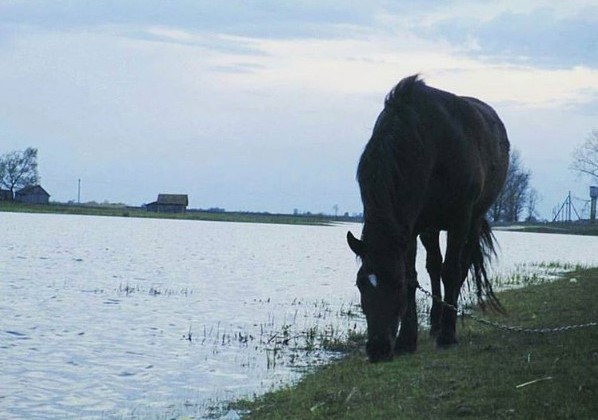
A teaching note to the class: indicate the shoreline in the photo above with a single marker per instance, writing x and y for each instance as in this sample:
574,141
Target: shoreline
562,228
491,373
191,214
565,228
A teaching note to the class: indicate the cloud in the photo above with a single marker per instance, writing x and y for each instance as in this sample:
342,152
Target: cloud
263,18
539,38
588,108
225,44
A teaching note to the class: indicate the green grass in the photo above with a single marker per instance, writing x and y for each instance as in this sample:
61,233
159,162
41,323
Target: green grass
490,374
565,228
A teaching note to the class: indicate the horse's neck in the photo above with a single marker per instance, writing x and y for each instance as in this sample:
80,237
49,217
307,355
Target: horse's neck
386,235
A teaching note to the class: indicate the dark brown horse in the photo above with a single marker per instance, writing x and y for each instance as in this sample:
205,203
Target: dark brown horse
435,162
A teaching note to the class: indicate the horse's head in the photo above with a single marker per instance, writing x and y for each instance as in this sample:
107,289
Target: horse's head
381,282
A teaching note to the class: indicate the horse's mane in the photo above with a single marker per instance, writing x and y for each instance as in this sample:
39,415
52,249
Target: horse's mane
381,173
402,93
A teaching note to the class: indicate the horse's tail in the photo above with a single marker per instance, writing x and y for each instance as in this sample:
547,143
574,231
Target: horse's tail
484,250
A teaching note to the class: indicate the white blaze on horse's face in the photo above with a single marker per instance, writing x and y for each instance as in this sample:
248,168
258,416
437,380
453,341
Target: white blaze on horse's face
373,280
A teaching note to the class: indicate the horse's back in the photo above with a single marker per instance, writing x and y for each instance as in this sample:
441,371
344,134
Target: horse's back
493,147
469,148
460,122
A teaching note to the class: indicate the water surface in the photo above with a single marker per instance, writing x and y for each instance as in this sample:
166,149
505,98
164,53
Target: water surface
113,317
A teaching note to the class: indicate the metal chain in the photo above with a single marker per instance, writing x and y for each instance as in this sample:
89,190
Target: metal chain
437,299
507,327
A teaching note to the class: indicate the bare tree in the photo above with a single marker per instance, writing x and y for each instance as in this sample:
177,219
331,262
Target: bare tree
532,202
496,211
585,157
515,193
19,169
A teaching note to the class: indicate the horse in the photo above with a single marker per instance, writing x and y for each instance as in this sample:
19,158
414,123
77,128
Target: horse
435,162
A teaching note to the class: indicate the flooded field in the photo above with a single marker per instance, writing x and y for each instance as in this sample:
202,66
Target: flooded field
121,318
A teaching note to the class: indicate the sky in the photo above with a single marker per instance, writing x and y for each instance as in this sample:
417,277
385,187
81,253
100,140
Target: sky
267,105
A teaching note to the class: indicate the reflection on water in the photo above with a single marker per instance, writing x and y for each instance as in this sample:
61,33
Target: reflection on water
120,317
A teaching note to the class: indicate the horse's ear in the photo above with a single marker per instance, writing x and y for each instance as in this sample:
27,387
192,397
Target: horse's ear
357,246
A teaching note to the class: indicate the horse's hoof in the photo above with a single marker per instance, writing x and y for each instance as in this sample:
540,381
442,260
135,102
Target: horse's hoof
446,342
402,348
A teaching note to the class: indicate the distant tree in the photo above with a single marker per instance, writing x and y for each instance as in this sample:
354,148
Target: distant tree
495,212
585,157
514,194
19,169
532,201
516,188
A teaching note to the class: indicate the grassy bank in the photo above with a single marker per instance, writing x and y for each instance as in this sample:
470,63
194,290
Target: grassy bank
119,211
491,374
573,228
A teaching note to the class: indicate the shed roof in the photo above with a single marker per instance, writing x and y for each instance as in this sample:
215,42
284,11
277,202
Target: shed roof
33,189
178,199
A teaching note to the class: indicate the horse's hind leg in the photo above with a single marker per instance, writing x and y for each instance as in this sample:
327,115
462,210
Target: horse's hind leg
407,340
452,279
434,267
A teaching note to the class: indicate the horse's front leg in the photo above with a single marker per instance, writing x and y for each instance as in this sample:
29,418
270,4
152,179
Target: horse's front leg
407,340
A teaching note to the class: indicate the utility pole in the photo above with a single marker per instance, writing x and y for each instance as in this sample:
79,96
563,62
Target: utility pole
593,197
79,192
565,210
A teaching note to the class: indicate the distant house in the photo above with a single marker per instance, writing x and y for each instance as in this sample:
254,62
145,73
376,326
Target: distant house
33,194
5,195
169,203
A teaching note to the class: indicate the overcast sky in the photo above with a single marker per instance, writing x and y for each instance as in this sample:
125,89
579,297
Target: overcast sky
267,105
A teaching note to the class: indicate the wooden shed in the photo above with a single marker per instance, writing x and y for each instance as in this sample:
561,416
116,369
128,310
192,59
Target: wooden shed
33,194
169,203
5,195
